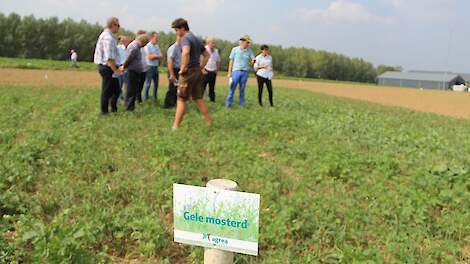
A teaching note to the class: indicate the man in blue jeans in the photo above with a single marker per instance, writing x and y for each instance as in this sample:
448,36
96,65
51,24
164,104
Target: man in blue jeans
240,59
153,55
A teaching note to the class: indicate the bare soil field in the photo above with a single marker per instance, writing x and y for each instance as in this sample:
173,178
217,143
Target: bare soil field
453,104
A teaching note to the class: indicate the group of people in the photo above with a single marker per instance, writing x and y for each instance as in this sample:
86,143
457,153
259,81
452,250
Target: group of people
192,66
150,57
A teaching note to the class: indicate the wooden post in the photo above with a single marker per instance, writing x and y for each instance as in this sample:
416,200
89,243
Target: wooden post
217,256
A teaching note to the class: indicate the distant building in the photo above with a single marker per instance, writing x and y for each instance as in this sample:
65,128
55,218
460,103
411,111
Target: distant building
426,80
465,76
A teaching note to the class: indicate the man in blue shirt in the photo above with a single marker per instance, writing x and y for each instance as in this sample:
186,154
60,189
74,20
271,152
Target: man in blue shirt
123,42
240,59
173,62
153,56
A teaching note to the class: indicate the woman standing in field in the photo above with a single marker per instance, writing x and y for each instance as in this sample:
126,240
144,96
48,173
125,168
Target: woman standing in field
264,74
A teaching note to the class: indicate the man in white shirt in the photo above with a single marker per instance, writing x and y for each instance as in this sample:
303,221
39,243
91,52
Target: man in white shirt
73,59
264,74
153,55
106,55
210,71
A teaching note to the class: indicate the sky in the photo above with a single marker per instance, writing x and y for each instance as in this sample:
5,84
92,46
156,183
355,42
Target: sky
414,34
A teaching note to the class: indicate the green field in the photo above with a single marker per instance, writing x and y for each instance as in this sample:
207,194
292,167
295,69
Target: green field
39,64
341,181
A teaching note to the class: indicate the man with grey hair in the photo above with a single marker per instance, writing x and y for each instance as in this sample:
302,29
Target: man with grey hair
210,71
145,68
106,55
133,65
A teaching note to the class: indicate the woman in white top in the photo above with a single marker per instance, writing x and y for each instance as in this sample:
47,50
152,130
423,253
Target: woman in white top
264,74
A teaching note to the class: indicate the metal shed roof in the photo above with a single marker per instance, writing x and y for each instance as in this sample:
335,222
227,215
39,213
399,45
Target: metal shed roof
465,76
433,77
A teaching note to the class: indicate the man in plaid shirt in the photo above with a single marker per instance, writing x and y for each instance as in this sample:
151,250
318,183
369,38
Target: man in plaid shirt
106,55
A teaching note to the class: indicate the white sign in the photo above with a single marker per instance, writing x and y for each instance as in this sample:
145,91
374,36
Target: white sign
211,218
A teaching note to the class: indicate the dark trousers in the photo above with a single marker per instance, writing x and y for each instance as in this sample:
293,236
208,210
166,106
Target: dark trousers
109,89
261,82
170,98
209,79
133,82
143,75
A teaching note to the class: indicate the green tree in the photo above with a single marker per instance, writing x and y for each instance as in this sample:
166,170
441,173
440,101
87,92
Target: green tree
51,38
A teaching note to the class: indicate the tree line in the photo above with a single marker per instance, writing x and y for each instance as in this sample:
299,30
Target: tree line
51,38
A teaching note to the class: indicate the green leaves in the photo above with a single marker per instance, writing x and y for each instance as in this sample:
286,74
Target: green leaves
29,235
340,181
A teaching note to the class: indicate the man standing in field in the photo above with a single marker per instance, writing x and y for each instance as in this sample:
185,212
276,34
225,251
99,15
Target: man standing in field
173,62
153,56
122,51
190,81
239,65
73,59
211,68
133,65
106,55
145,68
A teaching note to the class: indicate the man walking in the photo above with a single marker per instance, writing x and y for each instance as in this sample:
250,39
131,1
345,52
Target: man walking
210,71
133,65
153,56
239,65
173,62
105,57
190,81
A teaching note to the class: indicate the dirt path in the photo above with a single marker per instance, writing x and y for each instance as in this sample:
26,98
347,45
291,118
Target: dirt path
445,103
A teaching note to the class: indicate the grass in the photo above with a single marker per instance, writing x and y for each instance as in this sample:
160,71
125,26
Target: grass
341,181
40,64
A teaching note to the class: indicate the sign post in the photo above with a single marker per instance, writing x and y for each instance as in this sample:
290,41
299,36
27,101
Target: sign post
212,255
218,218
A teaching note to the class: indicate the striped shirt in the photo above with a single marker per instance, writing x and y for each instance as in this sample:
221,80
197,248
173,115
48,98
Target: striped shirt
106,48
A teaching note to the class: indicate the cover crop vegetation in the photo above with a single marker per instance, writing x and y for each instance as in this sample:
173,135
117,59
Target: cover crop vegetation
341,181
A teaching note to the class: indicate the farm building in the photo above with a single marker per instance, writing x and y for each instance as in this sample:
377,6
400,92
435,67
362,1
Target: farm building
436,81
465,76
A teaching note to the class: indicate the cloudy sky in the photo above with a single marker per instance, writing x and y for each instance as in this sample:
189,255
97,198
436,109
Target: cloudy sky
416,34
